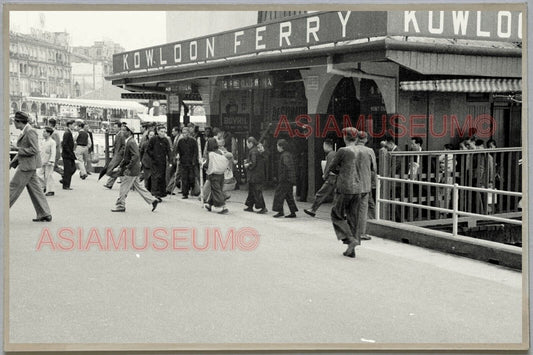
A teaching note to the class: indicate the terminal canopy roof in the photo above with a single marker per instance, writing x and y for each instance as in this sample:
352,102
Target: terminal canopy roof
454,43
103,104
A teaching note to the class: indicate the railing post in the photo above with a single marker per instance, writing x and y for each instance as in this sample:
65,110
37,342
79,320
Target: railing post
378,189
455,208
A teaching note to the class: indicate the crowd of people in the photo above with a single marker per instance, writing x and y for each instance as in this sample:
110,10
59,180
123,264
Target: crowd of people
202,164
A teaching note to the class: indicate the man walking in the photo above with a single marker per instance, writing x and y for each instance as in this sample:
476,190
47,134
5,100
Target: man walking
48,158
255,164
130,169
349,214
118,153
187,152
57,140
82,150
327,189
158,150
68,156
27,161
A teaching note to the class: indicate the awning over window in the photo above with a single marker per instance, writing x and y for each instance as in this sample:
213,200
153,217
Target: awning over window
464,85
104,104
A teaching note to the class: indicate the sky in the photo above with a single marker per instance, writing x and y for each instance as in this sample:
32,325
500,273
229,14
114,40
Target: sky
130,29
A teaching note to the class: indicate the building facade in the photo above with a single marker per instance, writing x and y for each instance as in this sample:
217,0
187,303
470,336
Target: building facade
90,65
39,66
439,75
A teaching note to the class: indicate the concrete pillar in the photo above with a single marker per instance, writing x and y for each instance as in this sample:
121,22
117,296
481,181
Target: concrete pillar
210,93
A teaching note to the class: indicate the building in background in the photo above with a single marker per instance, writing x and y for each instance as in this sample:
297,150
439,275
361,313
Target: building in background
39,66
90,64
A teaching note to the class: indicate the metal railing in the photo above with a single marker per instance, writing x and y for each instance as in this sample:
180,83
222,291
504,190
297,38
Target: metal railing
455,211
497,169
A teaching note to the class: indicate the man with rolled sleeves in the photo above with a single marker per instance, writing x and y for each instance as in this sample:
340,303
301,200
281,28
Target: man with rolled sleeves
355,164
27,161
130,169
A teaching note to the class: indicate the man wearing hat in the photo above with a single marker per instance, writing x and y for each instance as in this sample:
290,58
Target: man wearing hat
355,164
27,161
130,169
68,156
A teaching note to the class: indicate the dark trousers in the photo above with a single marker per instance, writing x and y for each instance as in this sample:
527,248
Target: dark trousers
216,197
159,186
187,179
255,196
349,215
372,205
69,168
284,193
325,193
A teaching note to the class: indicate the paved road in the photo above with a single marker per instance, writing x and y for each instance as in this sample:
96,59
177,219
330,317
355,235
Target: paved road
295,287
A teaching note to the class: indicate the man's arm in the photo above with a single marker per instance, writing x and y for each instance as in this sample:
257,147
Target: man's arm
33,148
334,163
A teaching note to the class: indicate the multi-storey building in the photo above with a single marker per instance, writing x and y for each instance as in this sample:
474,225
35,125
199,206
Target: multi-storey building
91,64
39,66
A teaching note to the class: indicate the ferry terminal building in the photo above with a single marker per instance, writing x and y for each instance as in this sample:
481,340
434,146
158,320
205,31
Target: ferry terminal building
433,74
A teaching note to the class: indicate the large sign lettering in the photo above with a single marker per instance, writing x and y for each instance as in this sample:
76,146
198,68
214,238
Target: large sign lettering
322,28
477,25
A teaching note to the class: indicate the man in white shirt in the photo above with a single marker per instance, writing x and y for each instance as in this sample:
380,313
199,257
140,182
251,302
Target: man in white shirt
48,158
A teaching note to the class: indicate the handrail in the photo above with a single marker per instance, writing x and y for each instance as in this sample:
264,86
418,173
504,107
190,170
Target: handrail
455,211
449,186
452,152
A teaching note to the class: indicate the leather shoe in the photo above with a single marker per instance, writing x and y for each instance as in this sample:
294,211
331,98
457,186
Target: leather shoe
350,255
50,193
67,188
154,205
366,237
248,209
263,211
118,210
310,212
292,215
184,197
207,207
43,219
83,177
277,215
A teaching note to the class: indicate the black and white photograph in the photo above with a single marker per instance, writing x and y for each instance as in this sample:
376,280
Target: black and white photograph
265,177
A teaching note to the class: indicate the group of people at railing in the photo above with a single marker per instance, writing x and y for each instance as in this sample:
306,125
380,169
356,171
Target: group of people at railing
474,163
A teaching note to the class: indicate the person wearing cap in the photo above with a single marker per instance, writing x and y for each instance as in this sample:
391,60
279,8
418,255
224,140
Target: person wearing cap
130,169
355,164
57,139
118,153
48,158
26,161
68,156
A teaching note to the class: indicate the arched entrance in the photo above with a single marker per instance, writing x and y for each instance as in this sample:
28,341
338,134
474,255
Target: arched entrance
43,109
343,102
24,107
14,107
34,108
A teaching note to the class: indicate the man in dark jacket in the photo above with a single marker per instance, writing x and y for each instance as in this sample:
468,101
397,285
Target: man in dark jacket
286,180
187,152
256,177
68,156
356,164
118,153
130,169
158,150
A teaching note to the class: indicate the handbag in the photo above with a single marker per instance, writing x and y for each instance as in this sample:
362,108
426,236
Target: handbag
218,164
